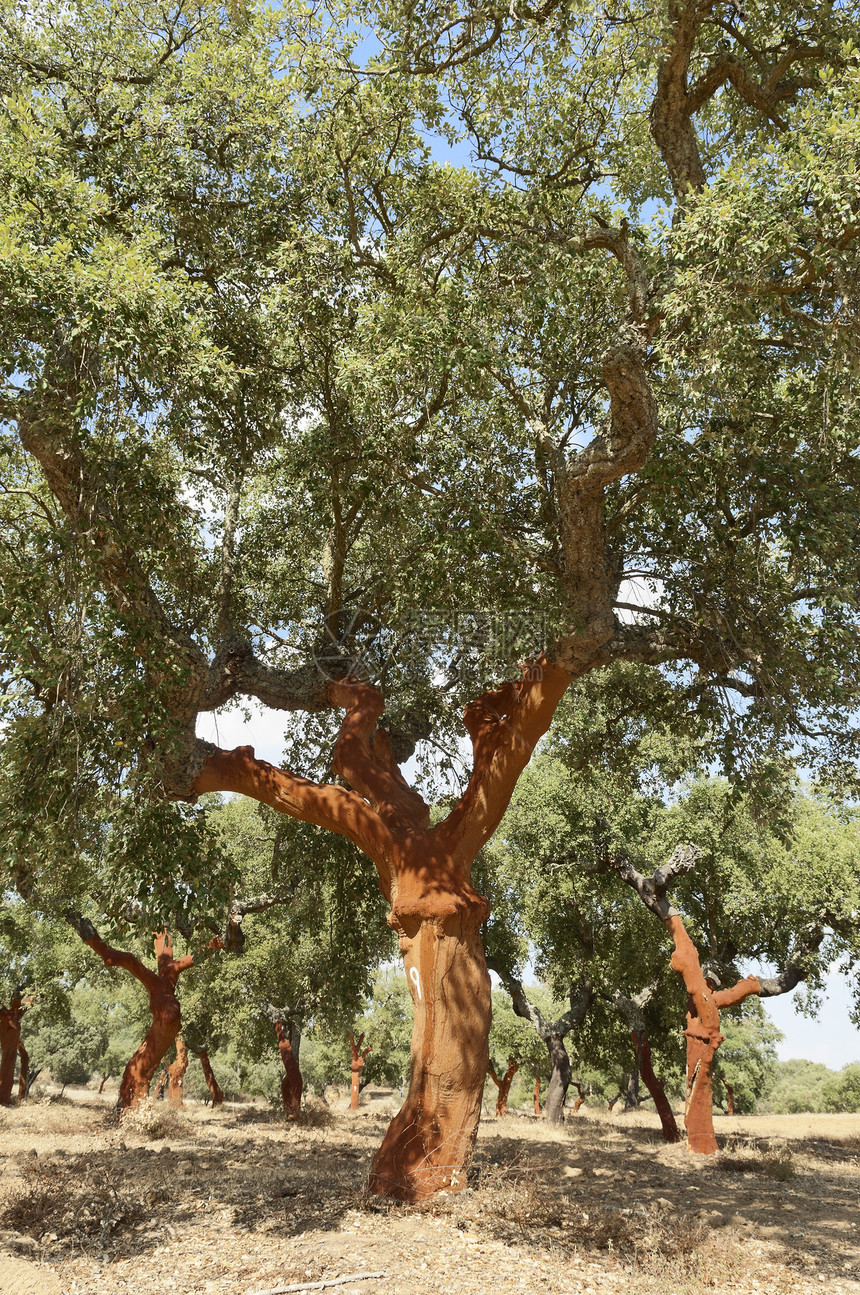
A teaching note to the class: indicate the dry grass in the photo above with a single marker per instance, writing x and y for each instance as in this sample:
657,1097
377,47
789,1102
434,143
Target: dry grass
238,1199
156,1120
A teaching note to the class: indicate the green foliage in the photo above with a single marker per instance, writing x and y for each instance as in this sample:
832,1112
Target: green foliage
387,1026
842,1092
747,1057
799,1087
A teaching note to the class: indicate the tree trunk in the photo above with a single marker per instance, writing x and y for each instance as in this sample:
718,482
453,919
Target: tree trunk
10,1042
425,872
177,1072
24,1070
703,1035
631,1091
209,1075
559,1080
580,1098
537,1094
160,1084
356,1066
655,1088
503,1085
430,1141
730,1094
291,1084
105,1078
160,986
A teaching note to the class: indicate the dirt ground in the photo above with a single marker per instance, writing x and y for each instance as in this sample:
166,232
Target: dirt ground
236,1201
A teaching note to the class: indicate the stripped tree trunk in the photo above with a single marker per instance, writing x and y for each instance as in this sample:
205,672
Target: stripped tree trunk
176,1071
212,1084
356,1066
580,1100
10,1043
503,1085
23,1071
704,1001
537,1094
668,1122
425,874
160,985
160,1084
291,1084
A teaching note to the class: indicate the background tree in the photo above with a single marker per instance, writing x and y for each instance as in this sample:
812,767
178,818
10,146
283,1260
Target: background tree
514,1045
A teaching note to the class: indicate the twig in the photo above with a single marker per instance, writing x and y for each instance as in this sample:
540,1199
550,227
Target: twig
316,1286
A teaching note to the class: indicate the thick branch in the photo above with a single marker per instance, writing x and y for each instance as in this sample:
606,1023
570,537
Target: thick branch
328,806
363,756
111,957
652,890
505,726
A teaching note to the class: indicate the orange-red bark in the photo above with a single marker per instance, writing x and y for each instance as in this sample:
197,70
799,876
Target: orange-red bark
702,1034
215,1091
425,873
24,1071
160,986
356,1066
10,1043
537,1095
176,1071
503,1084
292,1083
730,1094
580,1099
655,1088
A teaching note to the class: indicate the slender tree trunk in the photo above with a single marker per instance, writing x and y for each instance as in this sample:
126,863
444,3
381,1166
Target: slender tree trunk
177,1072
580,1098
703,1035
559,1081
105,1078
537,1094
430,1141
631,1090
209,1075
668,1122
160,1084
24,1070
356,1066
730,1094
10,1042
291,1084
503,1085
160,986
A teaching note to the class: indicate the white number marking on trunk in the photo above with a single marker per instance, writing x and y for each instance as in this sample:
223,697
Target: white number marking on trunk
416,980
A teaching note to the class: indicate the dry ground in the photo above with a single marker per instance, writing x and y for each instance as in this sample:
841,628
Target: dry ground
236,1201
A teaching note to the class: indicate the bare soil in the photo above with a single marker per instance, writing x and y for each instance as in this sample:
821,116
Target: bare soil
237,1201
